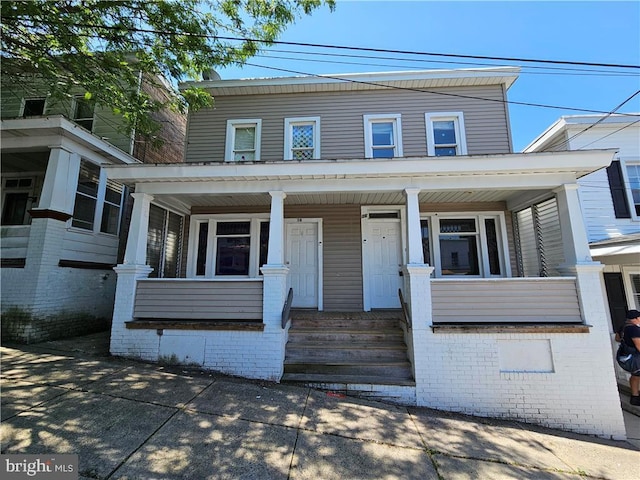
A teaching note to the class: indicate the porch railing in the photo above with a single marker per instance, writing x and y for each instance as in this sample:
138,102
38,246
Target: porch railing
405,310
505,300
286,310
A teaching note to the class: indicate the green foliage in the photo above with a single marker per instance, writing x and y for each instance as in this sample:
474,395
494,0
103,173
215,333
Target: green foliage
106,48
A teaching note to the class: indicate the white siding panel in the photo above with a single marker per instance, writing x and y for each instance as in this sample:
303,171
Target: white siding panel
88,247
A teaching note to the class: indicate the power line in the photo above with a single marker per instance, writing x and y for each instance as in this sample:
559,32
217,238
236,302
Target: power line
600,120
346,47
609,134
448,94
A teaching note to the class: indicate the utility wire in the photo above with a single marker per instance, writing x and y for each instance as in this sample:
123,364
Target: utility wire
448,94
565,143
609,134
346,47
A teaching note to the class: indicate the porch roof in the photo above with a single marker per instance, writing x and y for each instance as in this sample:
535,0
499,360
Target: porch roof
501,177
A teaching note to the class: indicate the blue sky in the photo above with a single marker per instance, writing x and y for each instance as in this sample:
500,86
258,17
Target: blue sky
584,31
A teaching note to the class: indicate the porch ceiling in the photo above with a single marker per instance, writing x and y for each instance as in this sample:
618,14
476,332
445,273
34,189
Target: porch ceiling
185,202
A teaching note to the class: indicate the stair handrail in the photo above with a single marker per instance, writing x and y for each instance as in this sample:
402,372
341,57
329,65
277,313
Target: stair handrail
405,310
286,310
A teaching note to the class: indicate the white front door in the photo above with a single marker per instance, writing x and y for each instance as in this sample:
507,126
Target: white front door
302,260
383,262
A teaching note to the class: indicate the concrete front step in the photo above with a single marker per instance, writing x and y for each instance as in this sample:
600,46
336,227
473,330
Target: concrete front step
391,370
319,378
345,354
356,324
341,337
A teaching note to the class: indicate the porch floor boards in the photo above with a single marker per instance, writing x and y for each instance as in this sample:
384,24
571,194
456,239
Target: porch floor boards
347,348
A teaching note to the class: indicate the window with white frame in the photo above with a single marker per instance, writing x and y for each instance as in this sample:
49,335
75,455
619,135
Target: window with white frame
98,203
82,112
633,182
302,138
164,239
382,136
17,199
445,134
243,140
465,244
226,246
32,107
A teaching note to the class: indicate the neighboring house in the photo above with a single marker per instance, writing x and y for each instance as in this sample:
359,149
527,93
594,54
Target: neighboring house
610,199
344,190
61,217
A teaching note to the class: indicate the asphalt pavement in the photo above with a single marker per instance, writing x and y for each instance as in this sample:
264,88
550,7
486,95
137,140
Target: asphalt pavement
132,420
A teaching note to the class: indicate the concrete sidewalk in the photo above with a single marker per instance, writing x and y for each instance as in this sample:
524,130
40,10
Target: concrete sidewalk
137,421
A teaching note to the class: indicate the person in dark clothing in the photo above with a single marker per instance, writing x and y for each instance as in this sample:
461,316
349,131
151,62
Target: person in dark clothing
630,358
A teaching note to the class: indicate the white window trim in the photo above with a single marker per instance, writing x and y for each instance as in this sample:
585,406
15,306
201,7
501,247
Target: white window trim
458,119
395,118
254,248
231,136
74,106
100,200
483,258
23,104
289,123
624,163
30,191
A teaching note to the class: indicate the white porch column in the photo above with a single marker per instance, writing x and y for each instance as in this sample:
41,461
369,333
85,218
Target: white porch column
415,255
60,181
574,234
276,229
136,251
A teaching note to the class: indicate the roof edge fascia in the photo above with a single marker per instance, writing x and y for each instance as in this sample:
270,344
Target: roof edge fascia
503,75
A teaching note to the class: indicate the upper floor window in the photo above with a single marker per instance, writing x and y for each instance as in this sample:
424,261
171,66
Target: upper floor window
302,138
243,140
33,107
624,185
98,201
633,175
445,134
382,136
82,112
17,199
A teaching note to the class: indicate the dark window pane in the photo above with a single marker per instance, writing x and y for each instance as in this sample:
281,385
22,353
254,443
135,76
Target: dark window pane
264,243
383,153
15,208
459,255
83,212
382,133
203,233
113,193
492,246
89,178
155,235
445,151
11,183
33,106
110,219
233,228
25,182
232,256
424,227
444,132
458,225
172,246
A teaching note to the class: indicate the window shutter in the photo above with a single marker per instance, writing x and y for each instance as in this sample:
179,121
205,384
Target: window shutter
155,240
618,190
172,246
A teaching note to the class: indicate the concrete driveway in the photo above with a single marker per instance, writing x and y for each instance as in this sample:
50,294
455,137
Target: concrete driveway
129,420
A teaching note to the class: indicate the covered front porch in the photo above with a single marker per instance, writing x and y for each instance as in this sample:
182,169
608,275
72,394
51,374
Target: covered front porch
484,259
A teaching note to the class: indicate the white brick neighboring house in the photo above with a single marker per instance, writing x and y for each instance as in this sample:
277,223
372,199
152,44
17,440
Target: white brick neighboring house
348,188
610,201
61,218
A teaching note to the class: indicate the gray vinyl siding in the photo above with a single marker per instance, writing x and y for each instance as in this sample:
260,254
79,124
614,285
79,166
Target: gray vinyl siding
196,299
341,120
506,301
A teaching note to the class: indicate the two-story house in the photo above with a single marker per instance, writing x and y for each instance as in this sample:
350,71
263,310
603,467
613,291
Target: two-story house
62,219
610,199
376,206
